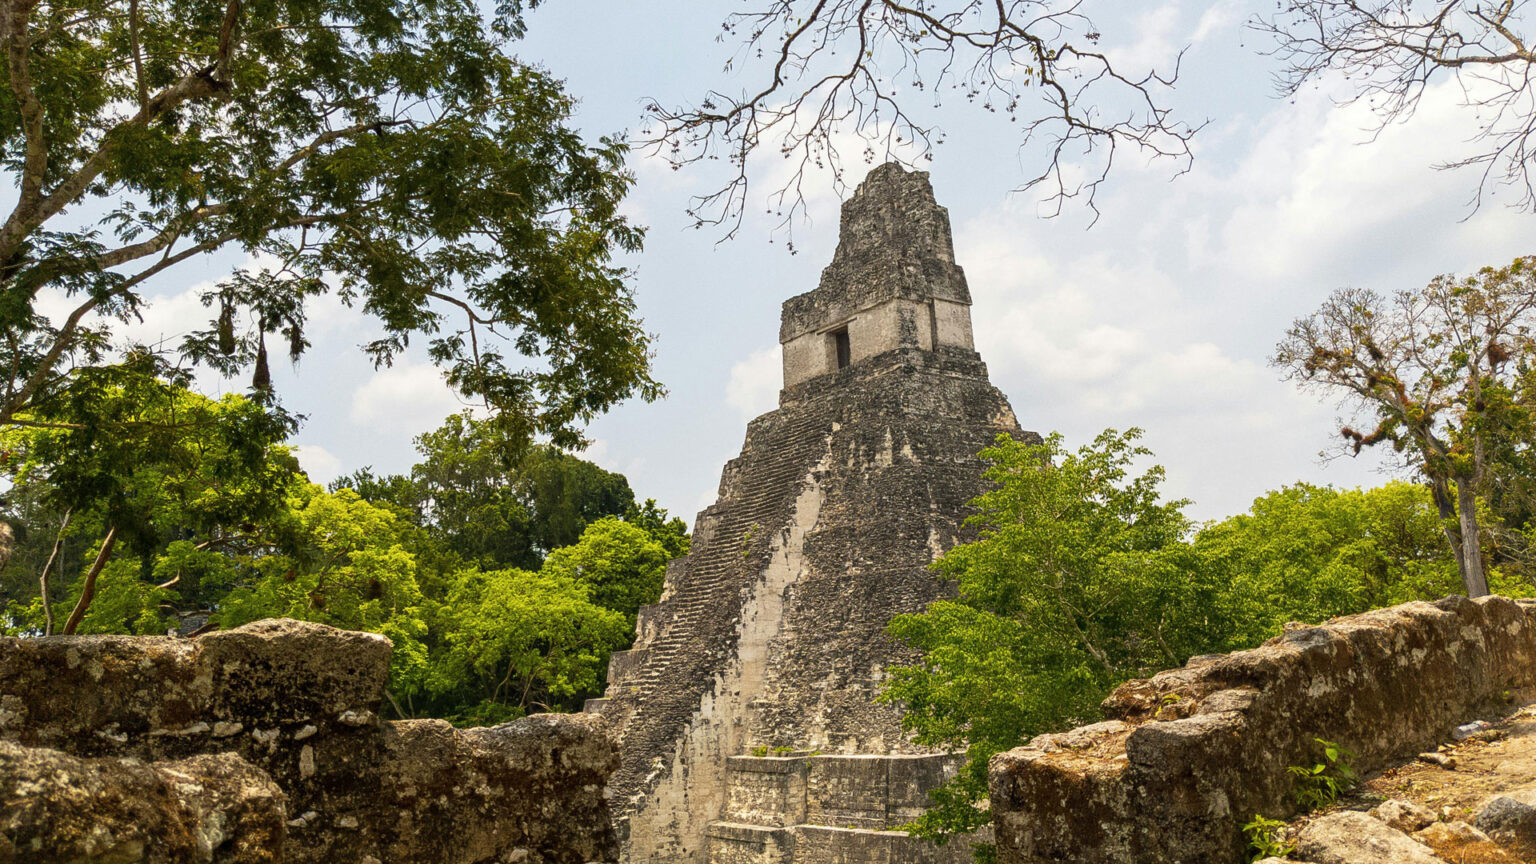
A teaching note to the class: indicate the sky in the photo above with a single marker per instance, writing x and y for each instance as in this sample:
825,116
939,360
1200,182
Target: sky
1160,314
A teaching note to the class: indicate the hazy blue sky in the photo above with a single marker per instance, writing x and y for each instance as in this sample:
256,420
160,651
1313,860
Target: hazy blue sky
1162,315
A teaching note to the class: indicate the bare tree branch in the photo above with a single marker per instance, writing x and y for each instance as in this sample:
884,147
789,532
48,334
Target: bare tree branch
1391,51
837,68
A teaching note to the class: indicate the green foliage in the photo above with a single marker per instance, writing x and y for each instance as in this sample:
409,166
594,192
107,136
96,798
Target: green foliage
619,563
166,473
516,640
491,500
1319,786
1309,553
1080,580
670,532
760,750
341,562
220,522
1266,838
1440,374
1083,578
393,153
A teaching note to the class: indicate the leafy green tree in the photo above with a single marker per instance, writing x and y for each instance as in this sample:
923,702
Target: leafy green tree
621,565
1081,579
1309,553
516,640
671,532
339,560
1436,372
393,153
132,459
494,501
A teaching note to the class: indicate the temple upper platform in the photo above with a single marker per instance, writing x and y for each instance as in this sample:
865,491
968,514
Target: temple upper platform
893,282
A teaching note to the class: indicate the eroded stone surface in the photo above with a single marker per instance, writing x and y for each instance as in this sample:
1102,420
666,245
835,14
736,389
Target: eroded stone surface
60,809
1510,817
1355,838
1197,751
300,702
1405,816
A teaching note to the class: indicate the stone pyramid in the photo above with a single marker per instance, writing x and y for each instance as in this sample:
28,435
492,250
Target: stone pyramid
770,635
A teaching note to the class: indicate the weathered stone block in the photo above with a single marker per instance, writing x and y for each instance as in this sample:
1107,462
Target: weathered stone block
821,844
768,790
300,702
736,843
909,779
848,791
60,809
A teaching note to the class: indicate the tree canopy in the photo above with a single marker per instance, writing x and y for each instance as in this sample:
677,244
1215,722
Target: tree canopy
393,154
1084,577
1438,372
202,519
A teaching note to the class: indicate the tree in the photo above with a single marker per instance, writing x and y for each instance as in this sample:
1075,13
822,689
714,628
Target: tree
336,559
1391,51
830,67
517,640
1434,370
619,563
670,532
1080,579
390,152
493,500
132,459
1310,553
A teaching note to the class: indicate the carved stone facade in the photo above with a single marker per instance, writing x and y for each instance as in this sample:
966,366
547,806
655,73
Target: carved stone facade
771,633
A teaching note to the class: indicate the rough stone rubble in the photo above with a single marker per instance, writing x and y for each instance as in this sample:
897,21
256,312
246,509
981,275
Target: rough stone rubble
263,744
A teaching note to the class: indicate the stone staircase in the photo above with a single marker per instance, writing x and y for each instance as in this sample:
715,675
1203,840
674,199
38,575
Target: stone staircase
683,638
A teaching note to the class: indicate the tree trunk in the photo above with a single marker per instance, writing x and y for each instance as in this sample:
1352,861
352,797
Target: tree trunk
58,542
1471,552
1440,491
88,593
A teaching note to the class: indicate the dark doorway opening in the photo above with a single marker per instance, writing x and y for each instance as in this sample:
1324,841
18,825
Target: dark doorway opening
844,354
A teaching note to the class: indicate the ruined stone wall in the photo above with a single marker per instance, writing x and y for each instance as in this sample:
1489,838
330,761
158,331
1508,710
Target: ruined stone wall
295,703
1188,756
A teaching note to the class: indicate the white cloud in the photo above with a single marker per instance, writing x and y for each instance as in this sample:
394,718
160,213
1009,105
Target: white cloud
1218,16
319,463
1154,48
1164,315
408,396
754,385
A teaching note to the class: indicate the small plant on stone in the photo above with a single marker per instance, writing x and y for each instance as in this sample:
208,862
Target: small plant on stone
783,751
1320,785
1266,838
760,750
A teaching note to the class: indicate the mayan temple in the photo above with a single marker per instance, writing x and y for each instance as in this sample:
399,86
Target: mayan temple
749,726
